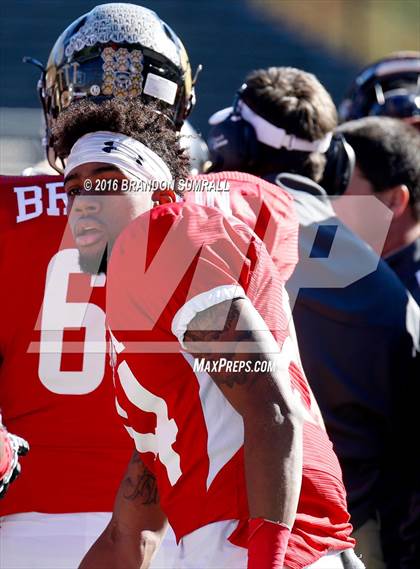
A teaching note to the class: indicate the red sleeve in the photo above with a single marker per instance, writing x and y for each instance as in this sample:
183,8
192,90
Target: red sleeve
265,208
175,261
270,213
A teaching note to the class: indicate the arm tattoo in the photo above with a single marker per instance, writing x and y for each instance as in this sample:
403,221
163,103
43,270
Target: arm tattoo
140,483
215,324
202,332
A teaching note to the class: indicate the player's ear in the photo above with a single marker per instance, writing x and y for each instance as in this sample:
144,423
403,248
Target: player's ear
397,199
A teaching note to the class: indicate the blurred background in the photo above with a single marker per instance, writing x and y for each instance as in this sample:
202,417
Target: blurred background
331,38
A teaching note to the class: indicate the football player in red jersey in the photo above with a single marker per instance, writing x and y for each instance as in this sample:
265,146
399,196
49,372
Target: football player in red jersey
53,375
239,462
50,383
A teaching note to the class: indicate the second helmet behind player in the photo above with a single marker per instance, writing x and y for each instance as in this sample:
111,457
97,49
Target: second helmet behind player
388,87
117,50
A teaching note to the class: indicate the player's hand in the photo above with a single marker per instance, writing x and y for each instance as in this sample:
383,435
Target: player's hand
11,448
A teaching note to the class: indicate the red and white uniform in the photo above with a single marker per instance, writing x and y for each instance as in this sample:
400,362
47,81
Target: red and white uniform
169,264
267,209
54,390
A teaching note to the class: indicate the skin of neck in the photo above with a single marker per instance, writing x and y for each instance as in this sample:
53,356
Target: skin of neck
404,230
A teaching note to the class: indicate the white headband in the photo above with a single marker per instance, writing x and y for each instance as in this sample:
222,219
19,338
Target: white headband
272,135
132,157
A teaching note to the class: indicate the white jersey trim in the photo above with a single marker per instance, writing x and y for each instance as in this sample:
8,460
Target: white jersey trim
201,302
225,426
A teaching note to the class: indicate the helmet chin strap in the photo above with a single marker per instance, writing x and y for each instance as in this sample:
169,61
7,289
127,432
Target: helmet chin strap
53,159
49,150
41,82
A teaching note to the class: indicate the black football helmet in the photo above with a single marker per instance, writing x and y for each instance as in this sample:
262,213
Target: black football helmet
389,87
116,50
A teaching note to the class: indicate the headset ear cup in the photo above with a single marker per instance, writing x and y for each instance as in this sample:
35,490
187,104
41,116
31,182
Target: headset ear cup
340,162
349,164
232,144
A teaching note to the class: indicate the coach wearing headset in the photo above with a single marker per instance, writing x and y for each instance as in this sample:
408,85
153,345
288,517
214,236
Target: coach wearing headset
350,310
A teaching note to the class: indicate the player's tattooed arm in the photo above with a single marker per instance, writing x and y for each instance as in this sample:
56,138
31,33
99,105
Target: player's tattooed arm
137,525
217,334
140,483
273,420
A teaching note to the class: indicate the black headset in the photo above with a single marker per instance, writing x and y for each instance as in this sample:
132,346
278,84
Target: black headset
233,143
340,162
234,146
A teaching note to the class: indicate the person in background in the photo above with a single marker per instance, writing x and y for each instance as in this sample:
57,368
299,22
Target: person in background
358,331
388,167
389,87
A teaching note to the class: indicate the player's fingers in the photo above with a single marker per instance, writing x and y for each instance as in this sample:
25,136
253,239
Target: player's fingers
15,473
20,445
23,448
3,489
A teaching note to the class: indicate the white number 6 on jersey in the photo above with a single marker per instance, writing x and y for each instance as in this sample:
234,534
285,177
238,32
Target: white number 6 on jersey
58,314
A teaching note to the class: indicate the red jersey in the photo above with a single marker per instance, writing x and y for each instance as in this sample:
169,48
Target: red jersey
55,387
166,266
266,208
